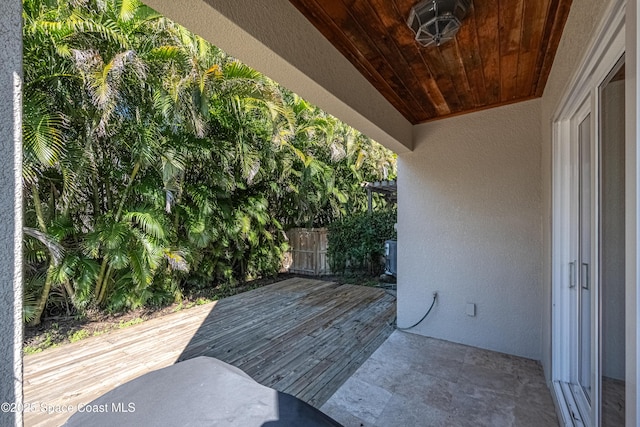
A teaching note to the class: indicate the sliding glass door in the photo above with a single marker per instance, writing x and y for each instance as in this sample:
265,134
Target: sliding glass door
589,269
611,207
588,237
583,248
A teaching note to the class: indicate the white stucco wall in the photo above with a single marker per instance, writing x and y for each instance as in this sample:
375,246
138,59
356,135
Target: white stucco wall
583,18
274,38
469,227
10,209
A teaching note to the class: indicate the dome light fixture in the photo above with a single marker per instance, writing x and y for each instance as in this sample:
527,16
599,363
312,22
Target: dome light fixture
437,21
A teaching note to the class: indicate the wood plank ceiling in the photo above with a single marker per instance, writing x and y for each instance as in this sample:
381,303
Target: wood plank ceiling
502,54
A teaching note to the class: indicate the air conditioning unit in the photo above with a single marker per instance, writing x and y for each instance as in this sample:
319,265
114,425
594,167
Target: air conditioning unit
391,258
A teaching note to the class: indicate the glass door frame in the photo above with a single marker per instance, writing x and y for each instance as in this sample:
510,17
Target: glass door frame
587,404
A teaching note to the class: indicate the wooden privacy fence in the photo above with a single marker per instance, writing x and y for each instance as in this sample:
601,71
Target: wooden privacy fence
308,248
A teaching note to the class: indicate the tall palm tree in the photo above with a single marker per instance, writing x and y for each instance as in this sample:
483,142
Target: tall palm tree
157,162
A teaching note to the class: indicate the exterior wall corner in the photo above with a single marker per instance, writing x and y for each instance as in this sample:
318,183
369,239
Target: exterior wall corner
11,210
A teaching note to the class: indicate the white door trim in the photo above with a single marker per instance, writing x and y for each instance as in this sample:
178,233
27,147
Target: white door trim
632,221
608,43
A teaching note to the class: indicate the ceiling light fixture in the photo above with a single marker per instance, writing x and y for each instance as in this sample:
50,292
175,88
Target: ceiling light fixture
437,21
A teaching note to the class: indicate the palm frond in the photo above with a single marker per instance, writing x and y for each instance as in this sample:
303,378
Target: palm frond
140,271
126,9
165,53
43,130
238,70
148,221
55,249
176,260
113,234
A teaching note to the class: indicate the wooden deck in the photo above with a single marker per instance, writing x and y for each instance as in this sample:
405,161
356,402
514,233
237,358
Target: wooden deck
300,336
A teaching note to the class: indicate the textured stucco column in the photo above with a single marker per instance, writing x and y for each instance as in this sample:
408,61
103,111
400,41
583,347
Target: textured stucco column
10,211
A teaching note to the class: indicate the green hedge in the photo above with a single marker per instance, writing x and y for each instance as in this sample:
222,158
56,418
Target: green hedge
357,242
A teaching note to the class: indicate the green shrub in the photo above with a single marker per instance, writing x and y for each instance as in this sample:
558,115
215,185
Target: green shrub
356,243
78,335
131,322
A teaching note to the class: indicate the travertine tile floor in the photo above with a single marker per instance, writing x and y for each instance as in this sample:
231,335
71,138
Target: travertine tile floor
613,402
412,380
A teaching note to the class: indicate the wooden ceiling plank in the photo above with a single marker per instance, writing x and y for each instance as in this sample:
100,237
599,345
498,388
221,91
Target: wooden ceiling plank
431,55
487,29
481,108
533,19
417,55
334,34
510,16
453,61
380,38
552,9
322,23
448,71
550,48
434,63
402,39
384,71
470,59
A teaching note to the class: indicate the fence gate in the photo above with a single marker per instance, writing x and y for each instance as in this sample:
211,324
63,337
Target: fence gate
309,251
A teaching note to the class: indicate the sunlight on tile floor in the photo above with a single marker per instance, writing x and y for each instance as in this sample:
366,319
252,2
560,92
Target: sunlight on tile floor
413,380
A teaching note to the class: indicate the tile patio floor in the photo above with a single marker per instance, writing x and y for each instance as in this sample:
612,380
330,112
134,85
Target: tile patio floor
411,380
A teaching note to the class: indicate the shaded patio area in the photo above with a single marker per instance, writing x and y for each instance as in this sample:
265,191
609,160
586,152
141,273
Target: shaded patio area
300,336
412,380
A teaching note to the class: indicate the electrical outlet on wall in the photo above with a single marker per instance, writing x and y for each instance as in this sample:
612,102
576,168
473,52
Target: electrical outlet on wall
471,309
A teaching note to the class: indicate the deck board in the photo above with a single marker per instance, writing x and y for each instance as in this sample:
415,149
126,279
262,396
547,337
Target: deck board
301,336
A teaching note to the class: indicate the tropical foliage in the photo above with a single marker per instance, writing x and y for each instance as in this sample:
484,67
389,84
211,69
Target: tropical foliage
154,163
356,242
